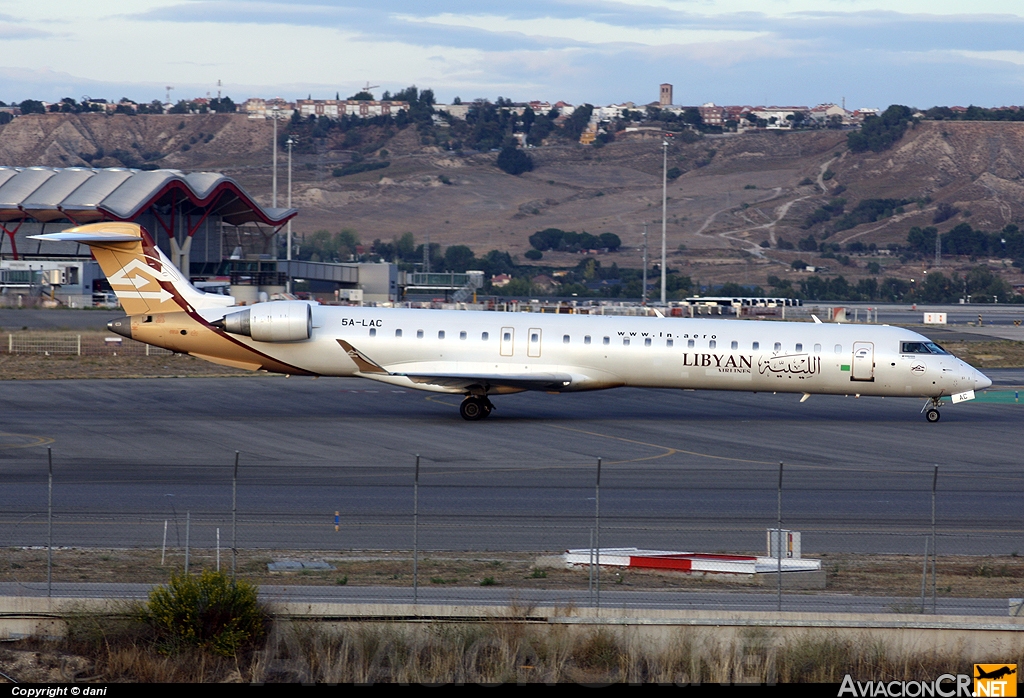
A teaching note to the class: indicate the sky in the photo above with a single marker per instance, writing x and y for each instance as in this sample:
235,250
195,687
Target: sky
781,52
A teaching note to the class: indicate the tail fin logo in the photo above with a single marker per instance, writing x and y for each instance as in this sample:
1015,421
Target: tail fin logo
144,275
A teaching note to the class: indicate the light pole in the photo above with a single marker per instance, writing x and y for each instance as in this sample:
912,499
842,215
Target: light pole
664,210
273,197
290,142
644,295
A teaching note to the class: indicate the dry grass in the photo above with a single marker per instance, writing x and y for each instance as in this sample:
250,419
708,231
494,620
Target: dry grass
964,576
995,354
499,650
59,367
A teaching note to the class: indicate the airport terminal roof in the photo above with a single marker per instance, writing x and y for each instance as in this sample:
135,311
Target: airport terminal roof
86,195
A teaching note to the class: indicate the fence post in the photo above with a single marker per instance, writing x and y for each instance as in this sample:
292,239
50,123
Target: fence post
188,533
234,516
597,537
415,533
49,524
924,573
935,481
778,541
79,347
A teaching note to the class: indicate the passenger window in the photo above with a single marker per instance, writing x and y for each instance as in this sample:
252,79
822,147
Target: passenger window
508,336
398,333
534,338
440,334
462,335
839,348
606,341
565,339
373,331
799,347
483,337
817,348
778,346
668,342
712,344
647,342
625,341
735,345
419,334
689,344
755,346
586,340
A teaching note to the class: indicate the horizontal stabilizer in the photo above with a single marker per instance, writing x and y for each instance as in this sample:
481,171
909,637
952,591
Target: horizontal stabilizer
86,238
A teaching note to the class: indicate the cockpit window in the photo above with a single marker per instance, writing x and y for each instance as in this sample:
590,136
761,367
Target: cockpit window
921,348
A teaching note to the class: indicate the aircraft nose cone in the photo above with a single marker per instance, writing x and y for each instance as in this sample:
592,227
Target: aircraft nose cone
981,381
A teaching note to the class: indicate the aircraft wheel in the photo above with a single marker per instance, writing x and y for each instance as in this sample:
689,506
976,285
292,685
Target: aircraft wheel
932,415
487,410
472,409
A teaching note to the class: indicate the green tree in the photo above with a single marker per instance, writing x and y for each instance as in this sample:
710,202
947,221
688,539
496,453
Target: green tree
458,258
879,133
32,106
514,161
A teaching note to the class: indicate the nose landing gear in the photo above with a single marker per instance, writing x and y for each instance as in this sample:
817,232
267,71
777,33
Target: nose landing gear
475,407
931,410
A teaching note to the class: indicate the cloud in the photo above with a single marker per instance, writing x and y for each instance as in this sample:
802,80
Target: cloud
600,51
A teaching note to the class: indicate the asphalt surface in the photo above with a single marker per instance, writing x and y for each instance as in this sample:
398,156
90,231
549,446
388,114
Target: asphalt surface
681,470
609,596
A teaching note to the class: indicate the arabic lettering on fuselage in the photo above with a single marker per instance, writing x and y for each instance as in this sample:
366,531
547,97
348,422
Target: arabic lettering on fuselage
801,365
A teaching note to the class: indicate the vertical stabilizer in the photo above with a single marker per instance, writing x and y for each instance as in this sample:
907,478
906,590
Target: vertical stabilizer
142,277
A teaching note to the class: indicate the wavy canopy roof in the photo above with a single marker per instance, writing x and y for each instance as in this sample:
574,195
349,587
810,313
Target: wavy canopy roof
85,195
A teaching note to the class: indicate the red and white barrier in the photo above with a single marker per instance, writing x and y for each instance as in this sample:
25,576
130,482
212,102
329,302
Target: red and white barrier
686,562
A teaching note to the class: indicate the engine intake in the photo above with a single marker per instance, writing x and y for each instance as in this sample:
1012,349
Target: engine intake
276,321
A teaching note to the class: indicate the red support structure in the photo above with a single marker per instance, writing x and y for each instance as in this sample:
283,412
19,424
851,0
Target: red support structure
10,234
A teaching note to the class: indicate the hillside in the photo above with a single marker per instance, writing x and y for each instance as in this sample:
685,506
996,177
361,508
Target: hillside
735,193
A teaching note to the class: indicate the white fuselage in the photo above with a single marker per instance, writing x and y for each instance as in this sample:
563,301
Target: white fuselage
598,352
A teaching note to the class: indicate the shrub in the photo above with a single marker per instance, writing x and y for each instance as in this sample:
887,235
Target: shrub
357,167
533,254
208,611
514,161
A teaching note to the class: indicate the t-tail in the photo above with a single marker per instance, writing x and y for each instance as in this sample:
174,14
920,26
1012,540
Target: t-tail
144,280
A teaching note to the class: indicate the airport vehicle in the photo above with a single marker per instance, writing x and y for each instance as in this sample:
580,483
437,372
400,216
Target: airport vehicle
481,354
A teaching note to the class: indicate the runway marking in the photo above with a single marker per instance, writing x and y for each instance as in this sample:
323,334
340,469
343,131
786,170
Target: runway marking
668,449
671,451
38,441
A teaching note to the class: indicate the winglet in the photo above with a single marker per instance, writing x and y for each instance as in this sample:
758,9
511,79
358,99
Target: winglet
817,321
362,362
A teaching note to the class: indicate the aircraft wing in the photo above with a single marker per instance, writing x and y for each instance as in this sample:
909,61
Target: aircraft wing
521,381
524,381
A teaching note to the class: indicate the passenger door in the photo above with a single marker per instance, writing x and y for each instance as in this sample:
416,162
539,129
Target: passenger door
863,361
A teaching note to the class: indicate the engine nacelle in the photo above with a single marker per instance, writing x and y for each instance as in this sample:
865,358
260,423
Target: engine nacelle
276,321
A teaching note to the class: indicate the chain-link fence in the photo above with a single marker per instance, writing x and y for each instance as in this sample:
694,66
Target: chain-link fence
462,532
67,343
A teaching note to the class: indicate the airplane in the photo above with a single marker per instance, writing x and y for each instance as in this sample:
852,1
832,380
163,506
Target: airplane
995,673
483,354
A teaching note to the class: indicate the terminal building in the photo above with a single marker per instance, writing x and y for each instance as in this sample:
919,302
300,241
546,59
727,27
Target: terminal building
205,223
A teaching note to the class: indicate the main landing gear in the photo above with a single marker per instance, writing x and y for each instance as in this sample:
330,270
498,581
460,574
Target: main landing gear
931,410
475,407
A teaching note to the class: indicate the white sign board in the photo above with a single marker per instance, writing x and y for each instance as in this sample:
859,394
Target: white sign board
963,397
935,318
